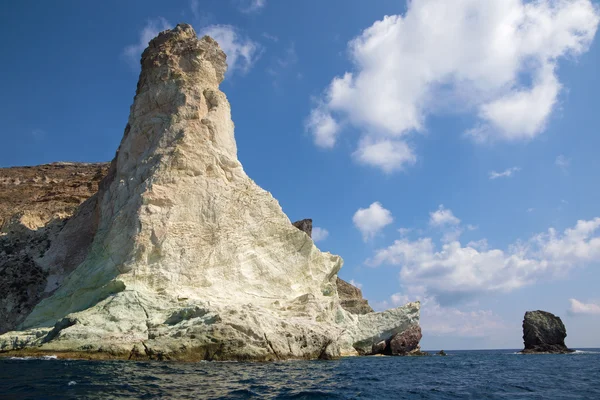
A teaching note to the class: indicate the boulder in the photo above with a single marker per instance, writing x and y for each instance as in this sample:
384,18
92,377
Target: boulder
544,332
406,342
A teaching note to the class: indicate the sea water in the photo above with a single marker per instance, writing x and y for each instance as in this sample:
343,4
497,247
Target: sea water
486,374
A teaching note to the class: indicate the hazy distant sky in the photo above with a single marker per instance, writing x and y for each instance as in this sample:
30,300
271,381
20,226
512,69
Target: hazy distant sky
448,151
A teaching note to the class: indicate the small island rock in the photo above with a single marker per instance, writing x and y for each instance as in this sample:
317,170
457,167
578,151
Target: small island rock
544,332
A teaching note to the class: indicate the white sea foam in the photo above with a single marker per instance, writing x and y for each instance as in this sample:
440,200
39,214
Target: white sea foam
34,358
585,352
72,383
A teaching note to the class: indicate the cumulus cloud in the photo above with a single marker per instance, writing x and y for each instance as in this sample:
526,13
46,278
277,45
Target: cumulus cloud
323,127
495,59
319,234
442,217
242,52
372,220
578,307
388,155
153,27
507,173
455,272
438,320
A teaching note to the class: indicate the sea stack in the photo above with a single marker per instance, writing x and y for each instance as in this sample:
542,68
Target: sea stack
544,332
180,255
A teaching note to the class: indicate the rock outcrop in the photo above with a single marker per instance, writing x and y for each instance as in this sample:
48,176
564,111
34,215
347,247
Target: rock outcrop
404,343
180,255
544,332
305,226
351,298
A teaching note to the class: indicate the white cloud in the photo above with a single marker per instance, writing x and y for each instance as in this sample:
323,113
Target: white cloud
507,173
455,272
242,52
437,320
370,221
388,155
319,234
133,53
496,59
442,217
251,6
323,127
577,307
562,162
404,231
354,283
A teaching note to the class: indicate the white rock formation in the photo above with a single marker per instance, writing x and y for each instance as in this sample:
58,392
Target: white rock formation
190,259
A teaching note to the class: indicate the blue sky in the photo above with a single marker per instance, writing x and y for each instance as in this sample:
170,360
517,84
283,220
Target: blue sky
446,153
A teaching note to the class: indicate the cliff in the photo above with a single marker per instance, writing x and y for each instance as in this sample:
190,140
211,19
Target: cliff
544,332
179,254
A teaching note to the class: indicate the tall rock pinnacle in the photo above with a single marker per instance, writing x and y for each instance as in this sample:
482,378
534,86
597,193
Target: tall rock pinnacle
189,258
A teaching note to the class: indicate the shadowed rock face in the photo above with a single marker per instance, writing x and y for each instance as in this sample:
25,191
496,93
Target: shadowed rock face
351,298
544,332
305,226
180,255
36,204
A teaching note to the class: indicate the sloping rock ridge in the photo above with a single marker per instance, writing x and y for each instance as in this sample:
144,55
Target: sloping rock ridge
544,332
180,255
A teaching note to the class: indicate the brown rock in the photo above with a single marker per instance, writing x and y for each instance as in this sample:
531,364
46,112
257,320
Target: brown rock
351,298
305,226
406,342
36,215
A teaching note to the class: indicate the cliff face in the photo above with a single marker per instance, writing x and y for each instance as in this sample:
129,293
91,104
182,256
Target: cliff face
35,203
544,332
33,196
180,255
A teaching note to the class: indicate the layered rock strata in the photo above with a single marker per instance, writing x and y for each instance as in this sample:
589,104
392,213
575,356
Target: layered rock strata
180,255
544,332
351,298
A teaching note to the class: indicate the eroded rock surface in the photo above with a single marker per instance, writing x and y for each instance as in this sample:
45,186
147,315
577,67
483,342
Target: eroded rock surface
351,298
544,332
180,255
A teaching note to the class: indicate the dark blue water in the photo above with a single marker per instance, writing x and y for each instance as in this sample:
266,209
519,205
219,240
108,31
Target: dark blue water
497,374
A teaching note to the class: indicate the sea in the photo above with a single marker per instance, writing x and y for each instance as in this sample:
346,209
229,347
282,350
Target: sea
484,374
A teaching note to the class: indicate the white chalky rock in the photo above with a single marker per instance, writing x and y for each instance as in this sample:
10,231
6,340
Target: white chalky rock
190,258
